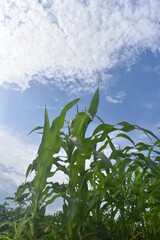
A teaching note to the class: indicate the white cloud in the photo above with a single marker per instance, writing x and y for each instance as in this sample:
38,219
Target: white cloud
119,98
15,156
68,41
155,69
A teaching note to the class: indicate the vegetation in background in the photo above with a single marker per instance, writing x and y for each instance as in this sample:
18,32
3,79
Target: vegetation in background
112,188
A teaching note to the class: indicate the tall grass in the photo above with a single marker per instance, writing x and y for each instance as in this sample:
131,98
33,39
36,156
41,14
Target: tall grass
116,197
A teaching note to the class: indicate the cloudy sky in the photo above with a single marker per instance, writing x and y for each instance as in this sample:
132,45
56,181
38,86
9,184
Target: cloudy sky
51,51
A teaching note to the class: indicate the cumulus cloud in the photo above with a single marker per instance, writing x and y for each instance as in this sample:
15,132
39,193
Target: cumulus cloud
66,42
15,156
119,98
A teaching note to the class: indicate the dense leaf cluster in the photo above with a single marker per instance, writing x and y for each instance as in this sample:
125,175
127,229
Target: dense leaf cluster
112,189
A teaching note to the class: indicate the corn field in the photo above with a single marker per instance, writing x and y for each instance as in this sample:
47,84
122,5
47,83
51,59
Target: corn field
112,187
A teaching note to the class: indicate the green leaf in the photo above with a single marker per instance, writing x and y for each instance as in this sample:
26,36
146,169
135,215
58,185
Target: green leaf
140,146
106,128
100,119
32,166
82,119
80,124
117,154
153,166
126,127
50,201
35,129
105,160
94,103
125,136
60,166
2,237
20,226
76,143
71,214
147,132
50,145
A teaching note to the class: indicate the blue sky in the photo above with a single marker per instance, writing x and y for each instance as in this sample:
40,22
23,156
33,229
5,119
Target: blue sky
51,51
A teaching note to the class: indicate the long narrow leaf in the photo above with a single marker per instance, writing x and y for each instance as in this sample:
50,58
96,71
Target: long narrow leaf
50,145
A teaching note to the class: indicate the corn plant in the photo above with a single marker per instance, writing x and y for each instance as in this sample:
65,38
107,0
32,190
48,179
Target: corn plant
115,197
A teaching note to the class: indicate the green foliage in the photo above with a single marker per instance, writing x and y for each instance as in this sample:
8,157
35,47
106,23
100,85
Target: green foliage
116,197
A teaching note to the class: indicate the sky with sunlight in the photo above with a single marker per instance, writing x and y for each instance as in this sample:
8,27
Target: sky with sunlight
52,51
